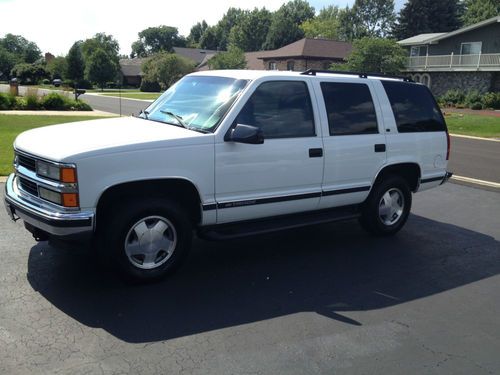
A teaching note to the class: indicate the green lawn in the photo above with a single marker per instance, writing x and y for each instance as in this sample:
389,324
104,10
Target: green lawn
12,125
474,125
136,95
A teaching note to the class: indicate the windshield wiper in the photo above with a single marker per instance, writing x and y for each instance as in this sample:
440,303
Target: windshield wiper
178,118
145,113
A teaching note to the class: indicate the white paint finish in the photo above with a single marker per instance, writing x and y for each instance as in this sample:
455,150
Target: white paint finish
279,167
67,142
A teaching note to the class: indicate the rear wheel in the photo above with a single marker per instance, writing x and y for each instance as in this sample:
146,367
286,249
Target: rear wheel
148,239
387,208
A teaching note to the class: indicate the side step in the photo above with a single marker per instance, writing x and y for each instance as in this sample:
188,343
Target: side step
277,223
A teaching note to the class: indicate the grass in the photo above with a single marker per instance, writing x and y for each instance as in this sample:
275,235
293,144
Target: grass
136,95
12,125
474,125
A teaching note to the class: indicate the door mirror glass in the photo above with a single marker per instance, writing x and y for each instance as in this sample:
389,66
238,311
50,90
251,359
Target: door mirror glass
245,134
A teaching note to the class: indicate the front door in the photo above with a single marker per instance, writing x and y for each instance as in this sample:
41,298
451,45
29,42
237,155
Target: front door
282,175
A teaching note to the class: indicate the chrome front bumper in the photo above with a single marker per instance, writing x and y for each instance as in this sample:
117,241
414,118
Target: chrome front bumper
43,217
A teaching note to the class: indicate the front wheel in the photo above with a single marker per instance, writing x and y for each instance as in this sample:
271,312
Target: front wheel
148,239
387,208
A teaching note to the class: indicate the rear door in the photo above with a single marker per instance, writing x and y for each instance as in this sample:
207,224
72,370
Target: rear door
354,139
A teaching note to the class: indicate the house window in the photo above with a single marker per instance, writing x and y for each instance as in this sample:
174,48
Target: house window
290,65
273,65
472,48
417,51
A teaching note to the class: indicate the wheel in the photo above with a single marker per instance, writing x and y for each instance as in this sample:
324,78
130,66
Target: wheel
387,207
148,239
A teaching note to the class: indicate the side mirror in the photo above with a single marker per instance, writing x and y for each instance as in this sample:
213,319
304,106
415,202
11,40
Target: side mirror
245,134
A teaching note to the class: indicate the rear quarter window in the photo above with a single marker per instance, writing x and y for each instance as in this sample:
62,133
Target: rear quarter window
414,107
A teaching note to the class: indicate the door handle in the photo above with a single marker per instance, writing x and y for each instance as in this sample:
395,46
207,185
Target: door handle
315,152
380,147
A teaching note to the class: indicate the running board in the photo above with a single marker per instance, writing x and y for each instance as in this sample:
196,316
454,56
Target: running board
277,223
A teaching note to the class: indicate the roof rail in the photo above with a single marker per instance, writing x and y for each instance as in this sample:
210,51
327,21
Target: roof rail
312,72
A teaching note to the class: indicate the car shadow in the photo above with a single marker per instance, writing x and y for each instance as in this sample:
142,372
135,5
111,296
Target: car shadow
329,269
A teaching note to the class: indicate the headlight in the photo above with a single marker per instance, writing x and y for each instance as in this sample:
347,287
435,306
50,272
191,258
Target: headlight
62,199
55,172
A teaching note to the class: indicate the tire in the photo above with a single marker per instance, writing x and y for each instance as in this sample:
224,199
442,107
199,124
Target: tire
387,207
147,239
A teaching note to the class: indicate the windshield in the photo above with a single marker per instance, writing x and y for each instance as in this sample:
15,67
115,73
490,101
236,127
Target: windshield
196,102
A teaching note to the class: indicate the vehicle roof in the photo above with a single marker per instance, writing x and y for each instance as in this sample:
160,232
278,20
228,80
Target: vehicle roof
255,74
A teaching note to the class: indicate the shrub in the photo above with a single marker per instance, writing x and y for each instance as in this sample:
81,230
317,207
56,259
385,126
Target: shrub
473,97
150,86
7,101
55,101
476,106
452,97
32,101
20,103
491,100
46,81
78,105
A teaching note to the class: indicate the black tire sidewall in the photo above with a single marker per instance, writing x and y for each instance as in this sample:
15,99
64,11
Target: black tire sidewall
370,217
122,220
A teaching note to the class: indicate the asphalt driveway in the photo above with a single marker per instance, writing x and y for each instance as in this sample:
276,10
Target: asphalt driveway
319,300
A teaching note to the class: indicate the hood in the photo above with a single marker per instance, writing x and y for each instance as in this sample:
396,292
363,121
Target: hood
61,142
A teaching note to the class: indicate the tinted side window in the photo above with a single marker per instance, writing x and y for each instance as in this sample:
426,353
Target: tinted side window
282,109
350,108
414,107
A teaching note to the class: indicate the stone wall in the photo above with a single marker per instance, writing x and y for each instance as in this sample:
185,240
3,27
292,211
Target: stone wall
466,81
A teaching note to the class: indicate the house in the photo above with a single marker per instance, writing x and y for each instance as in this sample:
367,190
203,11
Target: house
301,55
306,53
465,59
131,69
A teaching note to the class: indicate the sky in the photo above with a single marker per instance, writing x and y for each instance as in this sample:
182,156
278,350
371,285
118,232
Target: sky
54,25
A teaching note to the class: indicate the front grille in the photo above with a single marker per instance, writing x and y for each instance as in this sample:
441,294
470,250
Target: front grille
28,186
27,162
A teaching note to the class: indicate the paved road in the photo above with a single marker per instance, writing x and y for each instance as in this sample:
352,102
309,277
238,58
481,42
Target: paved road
320,300
475,158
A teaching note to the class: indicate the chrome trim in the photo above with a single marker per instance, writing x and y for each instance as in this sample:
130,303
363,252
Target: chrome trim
60,187
42,216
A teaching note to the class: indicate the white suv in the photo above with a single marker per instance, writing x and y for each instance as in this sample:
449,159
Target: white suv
231,153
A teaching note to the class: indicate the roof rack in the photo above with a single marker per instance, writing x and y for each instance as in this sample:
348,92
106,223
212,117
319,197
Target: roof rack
312,72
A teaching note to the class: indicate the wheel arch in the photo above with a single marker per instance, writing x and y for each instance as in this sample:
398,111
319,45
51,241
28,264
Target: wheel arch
182,190
410,171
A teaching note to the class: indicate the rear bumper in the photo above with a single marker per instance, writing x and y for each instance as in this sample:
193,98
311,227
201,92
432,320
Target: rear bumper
44,218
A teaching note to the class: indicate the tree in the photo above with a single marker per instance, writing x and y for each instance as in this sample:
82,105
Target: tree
100,68
196,33
23,49
166,68
29,73
480,10
234,58
428,16
7,62
375,18
209,39
75,65
157,39
102,41
324,25
251,31
376,55
284,28
57,67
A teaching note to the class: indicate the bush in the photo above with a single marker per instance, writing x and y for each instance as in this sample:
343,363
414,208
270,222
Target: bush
7,101
491,100
473,97
55,101
78,105
32,101
46,81
452,98
150,86
476,106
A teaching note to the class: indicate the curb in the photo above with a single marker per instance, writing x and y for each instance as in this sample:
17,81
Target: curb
3,179
476,138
